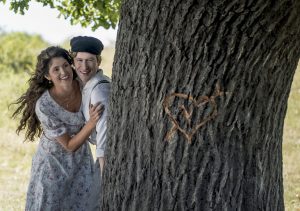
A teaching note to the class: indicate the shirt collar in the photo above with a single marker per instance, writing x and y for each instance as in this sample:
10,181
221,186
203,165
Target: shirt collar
94,80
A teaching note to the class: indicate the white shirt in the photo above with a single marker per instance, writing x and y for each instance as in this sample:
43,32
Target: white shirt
96,91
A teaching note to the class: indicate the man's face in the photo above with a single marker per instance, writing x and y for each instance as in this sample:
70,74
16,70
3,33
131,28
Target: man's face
86,65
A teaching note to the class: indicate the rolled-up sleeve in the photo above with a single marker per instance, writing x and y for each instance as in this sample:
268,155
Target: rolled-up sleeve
101,94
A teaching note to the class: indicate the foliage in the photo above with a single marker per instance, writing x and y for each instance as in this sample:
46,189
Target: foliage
11,87
19,51
96,13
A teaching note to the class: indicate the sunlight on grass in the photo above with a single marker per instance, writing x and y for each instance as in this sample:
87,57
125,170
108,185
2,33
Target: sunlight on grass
291,148
15,169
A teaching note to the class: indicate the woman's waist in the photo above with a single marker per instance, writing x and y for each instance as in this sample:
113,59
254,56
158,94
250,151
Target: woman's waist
51,145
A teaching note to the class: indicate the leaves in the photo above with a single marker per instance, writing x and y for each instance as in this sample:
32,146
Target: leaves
94,13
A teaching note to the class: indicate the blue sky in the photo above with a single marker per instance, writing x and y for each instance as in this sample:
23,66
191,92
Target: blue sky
44,21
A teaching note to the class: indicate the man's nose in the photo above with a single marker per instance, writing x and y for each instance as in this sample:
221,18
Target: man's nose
84,65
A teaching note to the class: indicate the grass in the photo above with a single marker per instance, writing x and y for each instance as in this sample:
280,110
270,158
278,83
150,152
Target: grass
291,148
16,155
15,169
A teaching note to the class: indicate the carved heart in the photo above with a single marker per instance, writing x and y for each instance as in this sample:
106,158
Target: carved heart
187,114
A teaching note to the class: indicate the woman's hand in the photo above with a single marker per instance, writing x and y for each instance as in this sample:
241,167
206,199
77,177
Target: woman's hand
96,112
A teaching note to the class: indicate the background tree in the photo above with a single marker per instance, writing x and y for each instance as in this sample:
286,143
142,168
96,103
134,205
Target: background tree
19,51
232,62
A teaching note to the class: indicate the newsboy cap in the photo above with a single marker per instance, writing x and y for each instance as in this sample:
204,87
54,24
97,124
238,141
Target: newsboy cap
86,44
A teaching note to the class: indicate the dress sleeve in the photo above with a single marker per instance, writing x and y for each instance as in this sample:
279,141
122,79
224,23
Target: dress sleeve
52,126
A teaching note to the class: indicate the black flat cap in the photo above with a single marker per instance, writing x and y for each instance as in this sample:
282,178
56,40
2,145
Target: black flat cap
86,44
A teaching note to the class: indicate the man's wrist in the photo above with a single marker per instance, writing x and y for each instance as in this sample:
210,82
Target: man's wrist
99,153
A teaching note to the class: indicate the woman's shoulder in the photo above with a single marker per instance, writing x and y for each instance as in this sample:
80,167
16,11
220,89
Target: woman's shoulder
43,103
43,98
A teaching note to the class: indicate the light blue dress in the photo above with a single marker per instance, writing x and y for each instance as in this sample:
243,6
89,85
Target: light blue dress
61,180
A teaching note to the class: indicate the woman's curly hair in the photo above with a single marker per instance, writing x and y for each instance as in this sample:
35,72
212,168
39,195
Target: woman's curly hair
38,84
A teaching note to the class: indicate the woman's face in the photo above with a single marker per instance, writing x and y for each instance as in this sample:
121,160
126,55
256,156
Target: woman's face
60,72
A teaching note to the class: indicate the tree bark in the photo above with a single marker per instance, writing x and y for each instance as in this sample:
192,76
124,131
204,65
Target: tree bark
232,62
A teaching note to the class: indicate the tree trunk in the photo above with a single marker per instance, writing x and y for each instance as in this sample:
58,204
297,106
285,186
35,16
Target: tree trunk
199,96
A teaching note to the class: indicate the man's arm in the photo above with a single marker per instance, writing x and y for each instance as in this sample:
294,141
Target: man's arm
101,162
101,94
101,140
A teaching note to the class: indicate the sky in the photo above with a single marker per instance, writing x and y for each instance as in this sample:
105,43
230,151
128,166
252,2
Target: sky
45,22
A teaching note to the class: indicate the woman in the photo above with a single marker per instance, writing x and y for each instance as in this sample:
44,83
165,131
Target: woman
63,176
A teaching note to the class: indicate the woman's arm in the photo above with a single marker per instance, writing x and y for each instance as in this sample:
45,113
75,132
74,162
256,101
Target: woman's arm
71,144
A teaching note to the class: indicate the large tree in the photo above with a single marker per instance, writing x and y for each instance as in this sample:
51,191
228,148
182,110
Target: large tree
199,96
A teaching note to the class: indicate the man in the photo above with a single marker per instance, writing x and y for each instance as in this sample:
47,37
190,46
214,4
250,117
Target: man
86,53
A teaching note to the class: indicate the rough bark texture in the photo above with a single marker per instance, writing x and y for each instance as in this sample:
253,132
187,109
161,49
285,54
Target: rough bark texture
234,161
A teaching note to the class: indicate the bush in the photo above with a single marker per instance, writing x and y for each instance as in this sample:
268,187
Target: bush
19,51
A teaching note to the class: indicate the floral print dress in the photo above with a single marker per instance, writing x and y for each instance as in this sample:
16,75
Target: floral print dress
61,180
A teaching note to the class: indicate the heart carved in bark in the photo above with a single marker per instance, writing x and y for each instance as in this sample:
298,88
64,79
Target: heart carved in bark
188,111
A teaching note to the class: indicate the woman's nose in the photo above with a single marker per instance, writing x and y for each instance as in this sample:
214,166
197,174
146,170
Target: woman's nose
62,70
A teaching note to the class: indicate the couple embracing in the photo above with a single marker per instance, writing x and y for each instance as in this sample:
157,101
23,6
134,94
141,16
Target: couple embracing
66,108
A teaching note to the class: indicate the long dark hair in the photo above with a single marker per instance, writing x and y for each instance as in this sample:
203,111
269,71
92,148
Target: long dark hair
38,84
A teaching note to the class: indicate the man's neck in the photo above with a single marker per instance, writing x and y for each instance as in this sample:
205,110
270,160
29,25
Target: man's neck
84,83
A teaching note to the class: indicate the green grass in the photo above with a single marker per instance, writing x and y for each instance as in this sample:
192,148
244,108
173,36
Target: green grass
15,156
291,148
15,169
